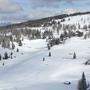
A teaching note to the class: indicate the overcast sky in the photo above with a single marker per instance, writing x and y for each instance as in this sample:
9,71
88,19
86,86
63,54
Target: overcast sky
19,10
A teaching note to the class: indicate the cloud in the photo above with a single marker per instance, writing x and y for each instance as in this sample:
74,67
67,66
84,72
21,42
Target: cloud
13,18
42,14
8,6
21,10
49,3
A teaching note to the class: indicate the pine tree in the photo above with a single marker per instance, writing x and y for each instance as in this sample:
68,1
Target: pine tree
82,85
17,50
49,54
8,44
74,55
13,46
48,46
6,55
85,36
43,59
11,54
3,44
0,57
3,64
20,43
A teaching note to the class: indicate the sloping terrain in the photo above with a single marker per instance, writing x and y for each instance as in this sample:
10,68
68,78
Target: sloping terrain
30,72
45,21
33,69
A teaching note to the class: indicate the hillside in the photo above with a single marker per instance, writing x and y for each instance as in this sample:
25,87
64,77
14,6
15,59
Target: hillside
46,57
39,22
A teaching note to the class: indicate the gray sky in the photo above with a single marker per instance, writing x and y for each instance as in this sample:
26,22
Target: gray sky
20,10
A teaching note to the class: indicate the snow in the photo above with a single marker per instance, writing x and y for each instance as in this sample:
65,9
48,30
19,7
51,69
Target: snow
70,11
79,19
29,72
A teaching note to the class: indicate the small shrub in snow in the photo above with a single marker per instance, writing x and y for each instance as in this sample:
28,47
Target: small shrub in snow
49,54
20,43
79,34
17,50
11,55
87,62
62,37
43,59
3,64
74,55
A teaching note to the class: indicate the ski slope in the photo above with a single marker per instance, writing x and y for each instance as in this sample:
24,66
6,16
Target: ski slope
30,72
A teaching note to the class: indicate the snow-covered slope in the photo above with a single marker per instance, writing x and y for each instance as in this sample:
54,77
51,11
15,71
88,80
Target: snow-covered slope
81,19
28,71
80,22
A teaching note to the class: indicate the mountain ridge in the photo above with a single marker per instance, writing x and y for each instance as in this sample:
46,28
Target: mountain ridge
39,22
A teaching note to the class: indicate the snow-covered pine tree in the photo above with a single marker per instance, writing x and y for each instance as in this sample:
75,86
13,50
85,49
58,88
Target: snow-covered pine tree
3,44
13,46
85,36
20,43
6,55
82,85
48,46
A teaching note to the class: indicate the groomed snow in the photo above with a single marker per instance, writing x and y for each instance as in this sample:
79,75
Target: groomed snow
30,72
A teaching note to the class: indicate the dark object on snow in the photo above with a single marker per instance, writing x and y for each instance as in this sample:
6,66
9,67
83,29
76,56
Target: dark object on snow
48,46
82,85
20,43
79,34
3,64
54,41
49,54
87,62
6,55
43,59
11,54
74,55
17,50
67,83
13,46
0,57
